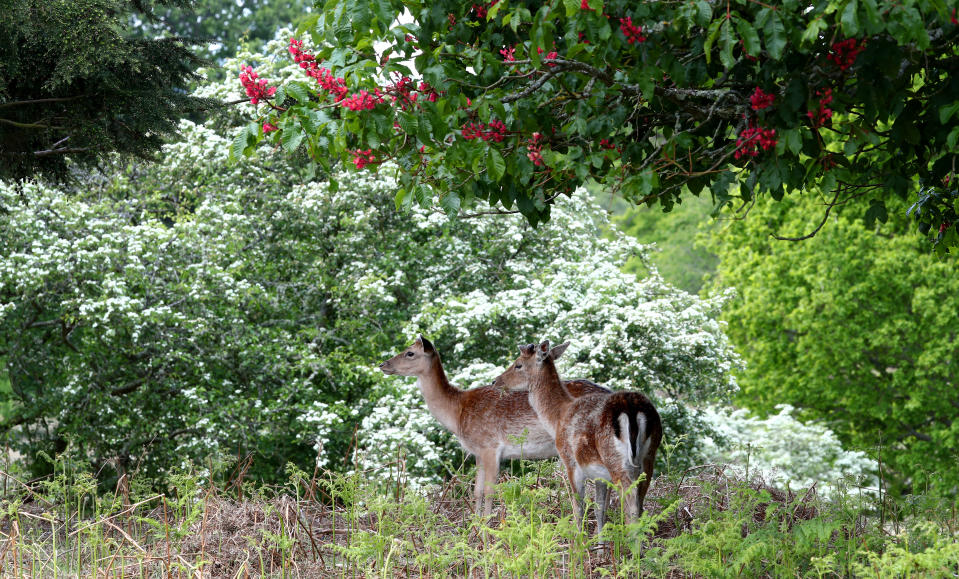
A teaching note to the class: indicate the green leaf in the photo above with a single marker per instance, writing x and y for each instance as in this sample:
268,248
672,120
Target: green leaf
812,32
495,164
850,19
876,211
775,36
711,35
400,198
239,143
953,137
450,203
749,35
793,140
493,11
298,91
726,44
291,137
704,13
947,111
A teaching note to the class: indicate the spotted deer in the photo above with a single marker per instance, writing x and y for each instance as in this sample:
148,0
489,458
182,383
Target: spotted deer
492,424
611,437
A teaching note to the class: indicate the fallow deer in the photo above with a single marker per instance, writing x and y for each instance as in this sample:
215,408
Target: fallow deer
491,424
612,437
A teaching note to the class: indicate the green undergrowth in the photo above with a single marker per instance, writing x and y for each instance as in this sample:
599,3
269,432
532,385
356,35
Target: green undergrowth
701,522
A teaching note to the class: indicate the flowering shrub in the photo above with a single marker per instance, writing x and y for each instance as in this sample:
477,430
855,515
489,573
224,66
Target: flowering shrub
785,451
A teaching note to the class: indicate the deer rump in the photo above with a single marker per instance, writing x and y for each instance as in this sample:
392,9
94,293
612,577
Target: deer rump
613,429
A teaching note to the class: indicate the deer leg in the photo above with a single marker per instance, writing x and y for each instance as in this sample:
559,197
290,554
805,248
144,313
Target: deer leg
602,501
641,489
577,483
478,486
486,477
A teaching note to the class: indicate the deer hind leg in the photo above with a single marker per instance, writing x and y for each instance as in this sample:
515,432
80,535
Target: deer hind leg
630,499
648,462
577,484
602,501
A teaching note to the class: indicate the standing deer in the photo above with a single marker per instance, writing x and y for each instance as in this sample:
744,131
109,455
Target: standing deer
488,421
612,437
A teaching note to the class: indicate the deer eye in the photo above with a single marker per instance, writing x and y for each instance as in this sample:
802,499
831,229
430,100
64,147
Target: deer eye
518,366
409,354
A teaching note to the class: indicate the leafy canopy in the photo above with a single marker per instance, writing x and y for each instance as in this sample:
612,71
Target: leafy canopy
515,102
854,328
76,81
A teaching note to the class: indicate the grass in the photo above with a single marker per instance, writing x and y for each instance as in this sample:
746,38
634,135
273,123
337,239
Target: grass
702,522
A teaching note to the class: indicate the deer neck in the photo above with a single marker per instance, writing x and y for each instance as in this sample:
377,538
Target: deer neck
549,399
442,399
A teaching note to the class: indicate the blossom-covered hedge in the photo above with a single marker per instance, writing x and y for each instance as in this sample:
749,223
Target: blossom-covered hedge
202,308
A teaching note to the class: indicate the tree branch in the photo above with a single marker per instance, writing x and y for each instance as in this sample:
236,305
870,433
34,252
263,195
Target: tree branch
39,101
813,233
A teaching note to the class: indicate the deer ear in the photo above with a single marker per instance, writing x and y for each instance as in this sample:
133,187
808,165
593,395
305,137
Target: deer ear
543,351
557,351
427,346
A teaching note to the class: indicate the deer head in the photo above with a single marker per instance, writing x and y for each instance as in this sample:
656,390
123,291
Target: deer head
516,377
413,361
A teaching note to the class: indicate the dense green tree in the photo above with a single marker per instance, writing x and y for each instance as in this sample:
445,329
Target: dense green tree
77,82
855,327
678,256
522,101
221,25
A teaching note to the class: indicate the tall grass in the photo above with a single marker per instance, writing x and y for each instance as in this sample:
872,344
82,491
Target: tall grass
702,522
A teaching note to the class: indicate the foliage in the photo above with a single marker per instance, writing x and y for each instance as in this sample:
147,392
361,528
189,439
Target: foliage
849,328
198,308
516,103
75,83
223,24
703,523
679,257
786,452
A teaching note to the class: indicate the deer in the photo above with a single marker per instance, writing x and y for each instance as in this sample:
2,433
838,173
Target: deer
603,437
490,423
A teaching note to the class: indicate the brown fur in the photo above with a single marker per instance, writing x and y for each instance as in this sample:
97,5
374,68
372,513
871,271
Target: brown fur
588,432
490,423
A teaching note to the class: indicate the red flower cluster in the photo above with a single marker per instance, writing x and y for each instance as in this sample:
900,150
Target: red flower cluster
953,19
534,147
607,145
549,55
749,141
584,5
363,158
334,85
255,87
431,95
761,100
821,115
402,91
509,54
495,131
844,53
269,128
632,32
481,10
363,100
945,224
